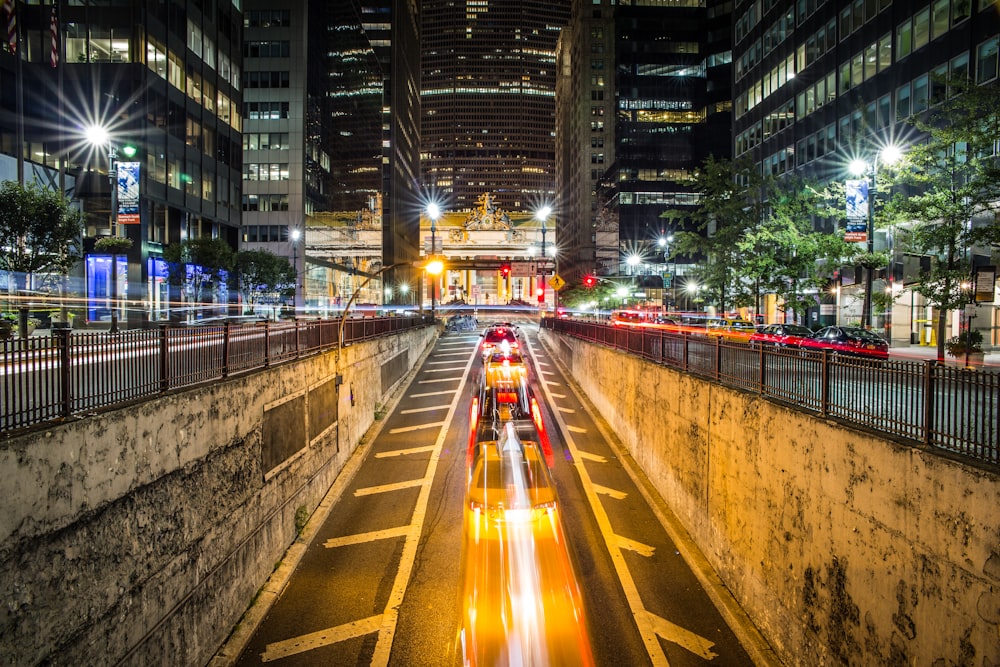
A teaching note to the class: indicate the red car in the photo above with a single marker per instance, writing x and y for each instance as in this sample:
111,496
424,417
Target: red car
780,335
854,341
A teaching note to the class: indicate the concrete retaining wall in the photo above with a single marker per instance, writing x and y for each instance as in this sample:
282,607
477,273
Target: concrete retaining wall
843,547
140,536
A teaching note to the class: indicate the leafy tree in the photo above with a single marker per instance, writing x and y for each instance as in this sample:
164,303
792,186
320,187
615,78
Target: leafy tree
211,262
39,231
731,204
263,277
953,186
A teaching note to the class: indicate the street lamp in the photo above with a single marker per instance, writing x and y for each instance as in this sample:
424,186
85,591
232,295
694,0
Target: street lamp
295,235
888,156
98,136
434,266
666,245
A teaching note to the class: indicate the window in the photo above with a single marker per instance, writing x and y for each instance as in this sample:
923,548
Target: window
871,61
921,28
845,77
960,66
986,61
857,69
904,39
884,51
903,102
939,18
921,93
939,84
960,10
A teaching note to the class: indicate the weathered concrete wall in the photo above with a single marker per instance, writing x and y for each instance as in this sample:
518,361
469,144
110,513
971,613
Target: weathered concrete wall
140,536
843,547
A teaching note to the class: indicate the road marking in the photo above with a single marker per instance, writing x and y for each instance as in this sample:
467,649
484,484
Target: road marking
638,547
439,380
416,410
304,643
450,354
646,627
417,427
444,370
683,638
398,486
555,384
361,538
433,393
576,429
596,458
403,452
569,411
439,363
614,493
558,395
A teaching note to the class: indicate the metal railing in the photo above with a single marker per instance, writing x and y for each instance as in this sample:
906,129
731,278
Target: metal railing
946,407
67,374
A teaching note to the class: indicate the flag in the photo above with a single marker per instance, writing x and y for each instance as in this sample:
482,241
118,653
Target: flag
54,30
8,8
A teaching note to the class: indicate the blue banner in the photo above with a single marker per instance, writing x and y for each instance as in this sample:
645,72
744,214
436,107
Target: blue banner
857,210
128,193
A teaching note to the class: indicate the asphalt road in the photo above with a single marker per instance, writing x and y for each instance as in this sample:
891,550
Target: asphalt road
380,581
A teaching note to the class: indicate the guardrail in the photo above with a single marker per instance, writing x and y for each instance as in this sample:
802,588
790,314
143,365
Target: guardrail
74,373
946,407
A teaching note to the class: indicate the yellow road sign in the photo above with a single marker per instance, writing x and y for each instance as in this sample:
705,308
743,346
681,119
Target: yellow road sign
556,282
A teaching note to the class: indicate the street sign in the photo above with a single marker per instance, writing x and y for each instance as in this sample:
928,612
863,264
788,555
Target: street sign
556,282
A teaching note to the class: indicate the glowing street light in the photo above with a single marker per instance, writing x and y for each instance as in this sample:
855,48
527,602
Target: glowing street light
434,266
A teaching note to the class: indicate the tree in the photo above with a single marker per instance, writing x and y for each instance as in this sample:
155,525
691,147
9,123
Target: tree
39,231
953,189
263,277
197,264
731,204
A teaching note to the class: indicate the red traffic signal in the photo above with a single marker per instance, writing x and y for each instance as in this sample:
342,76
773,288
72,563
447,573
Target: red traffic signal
505,270
589,281
540,293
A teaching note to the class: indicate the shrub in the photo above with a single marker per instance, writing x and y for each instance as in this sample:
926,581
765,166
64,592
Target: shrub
971,340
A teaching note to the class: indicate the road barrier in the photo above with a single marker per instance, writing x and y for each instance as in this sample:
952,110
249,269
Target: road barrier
941,406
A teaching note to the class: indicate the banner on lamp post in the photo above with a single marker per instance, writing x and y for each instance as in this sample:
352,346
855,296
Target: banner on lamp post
986,280
857,210
128,193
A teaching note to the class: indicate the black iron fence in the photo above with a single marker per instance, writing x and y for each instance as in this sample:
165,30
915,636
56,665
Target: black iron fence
47,378
946,407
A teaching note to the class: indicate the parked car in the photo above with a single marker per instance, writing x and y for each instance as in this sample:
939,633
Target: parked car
731,329
780,335
854,341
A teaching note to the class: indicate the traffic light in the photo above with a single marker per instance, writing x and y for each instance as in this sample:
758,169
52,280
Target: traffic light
589,282
540,293
505,270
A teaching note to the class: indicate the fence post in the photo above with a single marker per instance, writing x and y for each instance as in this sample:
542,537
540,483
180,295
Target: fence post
824,390
929,367
65,384
225,349
267,344
298,346
718,358
164,359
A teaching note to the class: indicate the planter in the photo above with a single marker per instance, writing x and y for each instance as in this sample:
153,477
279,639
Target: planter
975,359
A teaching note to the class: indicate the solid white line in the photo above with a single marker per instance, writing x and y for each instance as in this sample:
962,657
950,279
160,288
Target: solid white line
391,614
430,409
325,637
398,486
407,429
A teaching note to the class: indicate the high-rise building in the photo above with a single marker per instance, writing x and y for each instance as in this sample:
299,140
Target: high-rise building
488,100
819,84
164,81
649,84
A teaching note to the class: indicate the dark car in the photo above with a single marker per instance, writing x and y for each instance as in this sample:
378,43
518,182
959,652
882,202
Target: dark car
780,335
494,338
854,341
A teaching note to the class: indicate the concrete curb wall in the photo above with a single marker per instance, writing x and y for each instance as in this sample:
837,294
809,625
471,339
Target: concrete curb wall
843,547
145,532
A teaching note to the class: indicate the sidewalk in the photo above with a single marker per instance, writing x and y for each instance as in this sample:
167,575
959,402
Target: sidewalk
904,352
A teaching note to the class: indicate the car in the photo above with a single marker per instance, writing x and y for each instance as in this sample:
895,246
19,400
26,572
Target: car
731,329
495,335
780,335
854,341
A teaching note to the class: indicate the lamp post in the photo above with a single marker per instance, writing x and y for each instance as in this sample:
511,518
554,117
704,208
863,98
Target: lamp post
542,214
98,136
434,212
666,246
295,235
888,155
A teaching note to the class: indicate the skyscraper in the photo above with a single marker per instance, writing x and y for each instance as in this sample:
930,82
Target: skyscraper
488,98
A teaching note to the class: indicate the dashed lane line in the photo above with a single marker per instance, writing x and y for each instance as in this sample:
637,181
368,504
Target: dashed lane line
303,643
386,488
576,429
557,395
607,491
361,538
433,393
569,411
415,427
444,370
403,452
427,409
440,380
